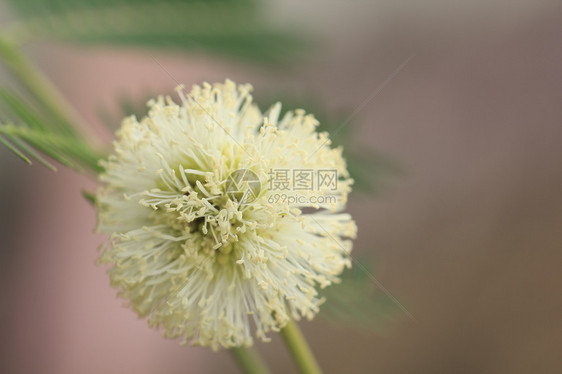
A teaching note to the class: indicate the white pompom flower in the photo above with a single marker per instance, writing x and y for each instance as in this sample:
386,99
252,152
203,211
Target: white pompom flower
200,258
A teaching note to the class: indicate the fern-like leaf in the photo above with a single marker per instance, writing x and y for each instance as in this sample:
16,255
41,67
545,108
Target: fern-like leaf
357,302
231,28
27,142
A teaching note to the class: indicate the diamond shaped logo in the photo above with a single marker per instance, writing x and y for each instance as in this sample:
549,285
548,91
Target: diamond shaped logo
243,186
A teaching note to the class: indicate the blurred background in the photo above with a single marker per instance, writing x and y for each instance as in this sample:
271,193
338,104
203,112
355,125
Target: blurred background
452,118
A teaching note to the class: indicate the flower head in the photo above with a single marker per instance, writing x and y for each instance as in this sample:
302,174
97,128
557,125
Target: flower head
203,241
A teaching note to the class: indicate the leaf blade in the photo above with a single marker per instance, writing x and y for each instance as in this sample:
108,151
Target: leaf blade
14,150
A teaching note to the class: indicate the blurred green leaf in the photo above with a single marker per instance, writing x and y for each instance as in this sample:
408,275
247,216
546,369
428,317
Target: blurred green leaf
37,120
356,302
90,197
27,142
32,153
126,106
226,27
14,149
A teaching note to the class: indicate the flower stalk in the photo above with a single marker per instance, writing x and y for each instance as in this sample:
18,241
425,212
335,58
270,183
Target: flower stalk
299,349
249,361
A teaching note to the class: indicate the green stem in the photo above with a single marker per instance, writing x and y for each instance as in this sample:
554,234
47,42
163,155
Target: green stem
249,361
299,349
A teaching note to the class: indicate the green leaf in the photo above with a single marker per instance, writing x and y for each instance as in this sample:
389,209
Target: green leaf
15,150
15,107
356,302
49,109
38,121
69,151
227,27
127,106
91,197
31,152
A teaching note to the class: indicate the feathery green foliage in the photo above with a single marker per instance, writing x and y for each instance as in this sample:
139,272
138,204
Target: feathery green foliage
27,142
36,122
357,302
227,27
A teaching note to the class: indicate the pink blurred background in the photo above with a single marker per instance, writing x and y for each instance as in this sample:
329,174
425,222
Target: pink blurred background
469,237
